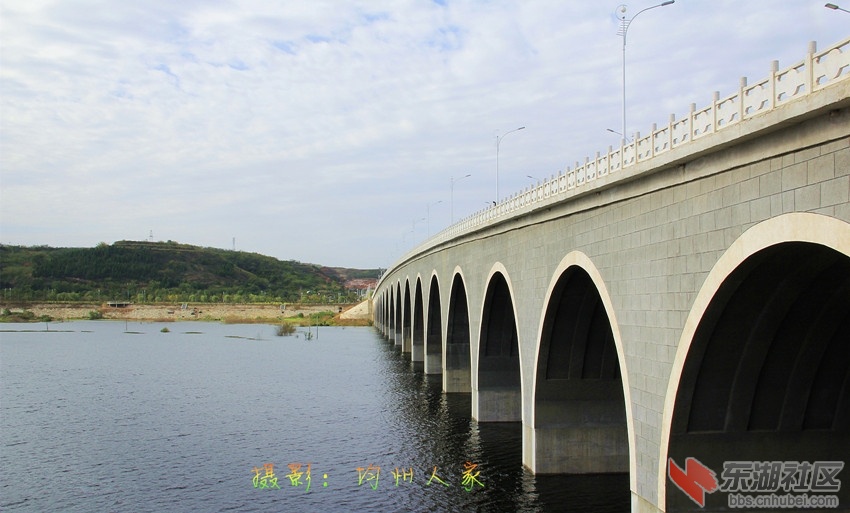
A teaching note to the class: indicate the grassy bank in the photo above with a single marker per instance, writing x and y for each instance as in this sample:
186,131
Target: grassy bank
296,315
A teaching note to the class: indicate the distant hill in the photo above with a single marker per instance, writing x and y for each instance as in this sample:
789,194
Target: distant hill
142,271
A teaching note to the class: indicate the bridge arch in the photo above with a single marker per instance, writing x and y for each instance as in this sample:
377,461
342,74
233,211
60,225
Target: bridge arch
498,369
457,373
398,315
406,317
382,312
387,305
378,311
581,408
385,312
417,353
434,329
762,371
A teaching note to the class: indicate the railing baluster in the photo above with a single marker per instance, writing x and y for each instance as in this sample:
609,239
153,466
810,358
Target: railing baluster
774,67
810,71
742,86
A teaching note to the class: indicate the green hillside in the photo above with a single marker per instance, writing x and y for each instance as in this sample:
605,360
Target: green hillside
166,271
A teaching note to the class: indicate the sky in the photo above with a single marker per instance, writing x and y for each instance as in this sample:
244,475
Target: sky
341,133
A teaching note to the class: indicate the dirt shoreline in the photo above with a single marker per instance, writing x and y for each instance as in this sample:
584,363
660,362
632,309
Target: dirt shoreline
230,313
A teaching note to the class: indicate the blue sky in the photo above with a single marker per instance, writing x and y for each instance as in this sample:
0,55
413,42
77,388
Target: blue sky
329,132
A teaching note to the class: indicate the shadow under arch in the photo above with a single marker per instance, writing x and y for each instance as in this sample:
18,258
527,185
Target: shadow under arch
499,383
377,311
581,387
406,318
581,408
397,323
417,351
762,372
387,308
457,374
434,330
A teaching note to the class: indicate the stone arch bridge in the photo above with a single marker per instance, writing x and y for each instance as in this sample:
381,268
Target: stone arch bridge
685,295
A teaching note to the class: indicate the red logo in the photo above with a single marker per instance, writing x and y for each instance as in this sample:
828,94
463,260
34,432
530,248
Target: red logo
695,480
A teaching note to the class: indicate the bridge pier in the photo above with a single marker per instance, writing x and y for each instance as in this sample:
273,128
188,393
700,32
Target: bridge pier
405,340
417,353
456,380
591,438
397,321
433,363
417,329
434,333
497,404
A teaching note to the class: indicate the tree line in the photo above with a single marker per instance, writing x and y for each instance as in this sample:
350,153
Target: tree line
147,272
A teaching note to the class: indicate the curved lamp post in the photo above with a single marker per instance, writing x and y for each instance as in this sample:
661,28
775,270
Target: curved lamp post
624,29
498,141
835,7
623,137
453,195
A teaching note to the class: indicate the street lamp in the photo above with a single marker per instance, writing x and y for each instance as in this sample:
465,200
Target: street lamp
499,140
618,133
428,217
624,29
835,7
453,195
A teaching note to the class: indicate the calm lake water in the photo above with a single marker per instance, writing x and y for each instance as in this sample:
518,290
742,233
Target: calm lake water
108,416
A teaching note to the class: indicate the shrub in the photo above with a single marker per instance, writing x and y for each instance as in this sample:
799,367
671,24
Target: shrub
285,329
95,315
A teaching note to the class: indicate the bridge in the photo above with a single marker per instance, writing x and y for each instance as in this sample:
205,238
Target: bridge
686,295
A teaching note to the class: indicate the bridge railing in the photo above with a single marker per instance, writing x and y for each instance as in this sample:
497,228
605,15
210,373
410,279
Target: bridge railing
816,71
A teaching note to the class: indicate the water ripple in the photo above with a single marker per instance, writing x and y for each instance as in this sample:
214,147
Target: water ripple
114,422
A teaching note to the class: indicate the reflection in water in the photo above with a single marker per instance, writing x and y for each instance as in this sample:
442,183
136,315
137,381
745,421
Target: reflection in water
449,434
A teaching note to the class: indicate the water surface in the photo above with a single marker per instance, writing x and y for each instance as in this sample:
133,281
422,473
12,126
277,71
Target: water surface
114,416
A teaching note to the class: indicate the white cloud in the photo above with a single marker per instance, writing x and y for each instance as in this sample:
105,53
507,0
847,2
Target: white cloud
320,131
